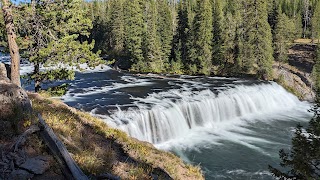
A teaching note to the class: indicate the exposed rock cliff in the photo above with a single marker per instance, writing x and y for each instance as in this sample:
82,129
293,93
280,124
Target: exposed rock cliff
296,75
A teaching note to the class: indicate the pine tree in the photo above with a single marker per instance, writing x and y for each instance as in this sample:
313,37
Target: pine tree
100,15
152,43
117,27
179,39
183,39
316,70
298,26
258,54
240,37
275,10
13,47
134,34
203,37
316,22
190,49
165,28
3,33
245,60
217,41
57,38
230,25
229,44
284,34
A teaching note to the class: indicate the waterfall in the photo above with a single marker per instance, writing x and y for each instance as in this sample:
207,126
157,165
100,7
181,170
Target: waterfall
170,118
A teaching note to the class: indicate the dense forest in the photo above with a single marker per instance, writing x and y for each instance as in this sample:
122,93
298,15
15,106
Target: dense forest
208,37
220,37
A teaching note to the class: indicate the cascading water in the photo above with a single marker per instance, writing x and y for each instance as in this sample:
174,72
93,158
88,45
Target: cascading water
168,119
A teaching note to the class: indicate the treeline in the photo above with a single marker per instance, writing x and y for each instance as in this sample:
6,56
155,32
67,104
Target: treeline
217,37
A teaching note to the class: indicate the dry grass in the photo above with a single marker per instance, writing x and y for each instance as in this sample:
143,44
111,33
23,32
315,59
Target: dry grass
306,41
99,149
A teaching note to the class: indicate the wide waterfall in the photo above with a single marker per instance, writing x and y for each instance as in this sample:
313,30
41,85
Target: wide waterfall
233,127
170,118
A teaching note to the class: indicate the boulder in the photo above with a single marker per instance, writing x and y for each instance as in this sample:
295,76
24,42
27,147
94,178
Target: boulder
3,74
13,99
20,175
37,165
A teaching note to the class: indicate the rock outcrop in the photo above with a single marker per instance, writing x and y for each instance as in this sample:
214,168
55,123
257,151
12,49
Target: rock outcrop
37,165
296,82
296,74
13,99
19,165
3,74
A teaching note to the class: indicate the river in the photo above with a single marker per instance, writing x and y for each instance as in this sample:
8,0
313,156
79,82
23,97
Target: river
233,128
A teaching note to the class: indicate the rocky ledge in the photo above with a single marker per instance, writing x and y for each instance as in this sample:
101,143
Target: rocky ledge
13,99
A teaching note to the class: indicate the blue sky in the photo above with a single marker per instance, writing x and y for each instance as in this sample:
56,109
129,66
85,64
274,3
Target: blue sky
18,1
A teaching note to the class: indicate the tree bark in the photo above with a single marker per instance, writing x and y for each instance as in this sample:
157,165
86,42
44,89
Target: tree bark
13,47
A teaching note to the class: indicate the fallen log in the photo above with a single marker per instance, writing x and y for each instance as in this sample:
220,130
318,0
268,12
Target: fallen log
69,167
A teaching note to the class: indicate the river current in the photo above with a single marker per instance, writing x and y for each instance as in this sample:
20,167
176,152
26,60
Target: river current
232,128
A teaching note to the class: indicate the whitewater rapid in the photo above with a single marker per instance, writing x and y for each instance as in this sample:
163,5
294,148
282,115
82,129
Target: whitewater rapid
176,114
27,68
232,127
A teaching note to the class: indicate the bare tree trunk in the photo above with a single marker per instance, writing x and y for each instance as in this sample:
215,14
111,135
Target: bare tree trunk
37,82
13,47
306,17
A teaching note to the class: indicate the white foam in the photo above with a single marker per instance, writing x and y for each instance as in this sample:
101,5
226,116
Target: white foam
198,117
248,174
130,81
27,67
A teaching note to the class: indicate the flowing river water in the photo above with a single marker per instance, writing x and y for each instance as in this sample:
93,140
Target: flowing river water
232,128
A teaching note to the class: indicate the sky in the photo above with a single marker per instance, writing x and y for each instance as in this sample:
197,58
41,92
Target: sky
18,1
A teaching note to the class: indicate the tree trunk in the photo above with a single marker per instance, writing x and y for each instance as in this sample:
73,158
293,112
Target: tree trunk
13,47
306,17
37,81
